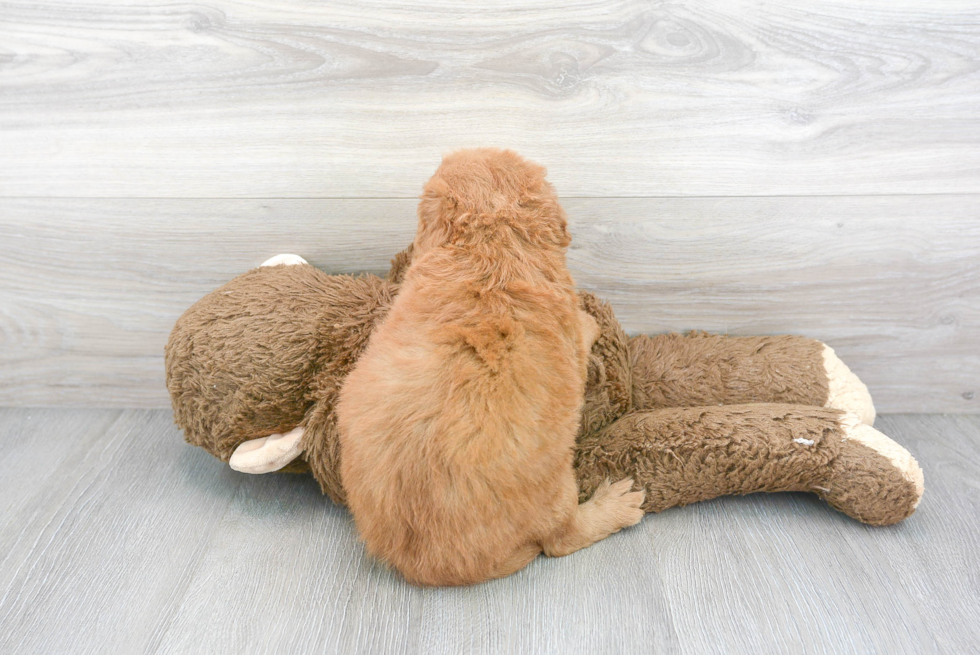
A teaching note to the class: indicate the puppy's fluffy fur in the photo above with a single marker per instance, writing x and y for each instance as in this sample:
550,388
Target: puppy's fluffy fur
458,422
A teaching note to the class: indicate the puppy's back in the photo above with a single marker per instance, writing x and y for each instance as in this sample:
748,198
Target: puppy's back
458,421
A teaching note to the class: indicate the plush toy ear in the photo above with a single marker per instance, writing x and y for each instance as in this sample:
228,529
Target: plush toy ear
267,454
284,260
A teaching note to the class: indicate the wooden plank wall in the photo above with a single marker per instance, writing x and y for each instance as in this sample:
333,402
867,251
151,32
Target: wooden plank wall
748,168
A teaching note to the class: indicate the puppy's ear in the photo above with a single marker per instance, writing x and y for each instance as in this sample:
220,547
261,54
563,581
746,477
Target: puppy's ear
559,225
436,210
563,237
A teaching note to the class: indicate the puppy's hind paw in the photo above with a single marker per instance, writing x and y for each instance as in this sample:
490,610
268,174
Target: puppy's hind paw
618,505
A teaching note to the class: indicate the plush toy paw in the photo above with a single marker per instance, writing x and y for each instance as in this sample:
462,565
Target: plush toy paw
845,390
872,479
284,260
267,454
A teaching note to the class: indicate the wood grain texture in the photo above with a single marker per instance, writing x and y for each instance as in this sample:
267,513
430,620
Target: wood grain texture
285,557
110,535
132,541
220,98
945,540
89,289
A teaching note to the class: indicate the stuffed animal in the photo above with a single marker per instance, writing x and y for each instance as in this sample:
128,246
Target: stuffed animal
254,370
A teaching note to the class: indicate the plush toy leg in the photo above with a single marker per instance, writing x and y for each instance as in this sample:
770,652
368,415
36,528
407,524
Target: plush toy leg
700,369
267,454
684,455
873,479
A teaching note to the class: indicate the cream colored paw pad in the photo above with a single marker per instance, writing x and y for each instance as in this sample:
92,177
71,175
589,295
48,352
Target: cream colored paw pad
845,390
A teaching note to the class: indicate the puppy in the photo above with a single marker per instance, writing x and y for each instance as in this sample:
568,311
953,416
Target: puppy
458,422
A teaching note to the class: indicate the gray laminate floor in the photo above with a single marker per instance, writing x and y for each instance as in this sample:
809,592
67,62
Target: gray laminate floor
116,537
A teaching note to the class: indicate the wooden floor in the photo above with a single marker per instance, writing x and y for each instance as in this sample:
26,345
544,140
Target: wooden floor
117,537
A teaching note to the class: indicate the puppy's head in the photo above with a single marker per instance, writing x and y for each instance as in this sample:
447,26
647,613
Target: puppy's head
480,194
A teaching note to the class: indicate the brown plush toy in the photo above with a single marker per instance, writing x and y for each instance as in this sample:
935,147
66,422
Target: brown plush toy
255,367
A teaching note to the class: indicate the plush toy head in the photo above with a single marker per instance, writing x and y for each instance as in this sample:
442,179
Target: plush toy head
253,357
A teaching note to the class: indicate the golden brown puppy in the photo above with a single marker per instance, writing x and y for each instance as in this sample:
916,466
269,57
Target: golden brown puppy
459,420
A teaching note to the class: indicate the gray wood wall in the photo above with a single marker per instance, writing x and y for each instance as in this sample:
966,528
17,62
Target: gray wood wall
803,166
